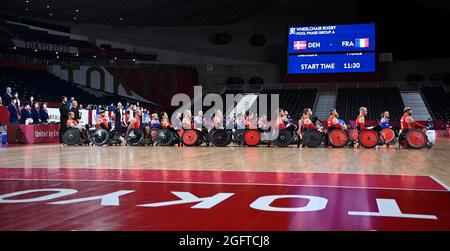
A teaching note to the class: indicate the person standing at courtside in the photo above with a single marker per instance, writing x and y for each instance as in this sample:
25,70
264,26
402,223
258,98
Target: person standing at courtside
63,117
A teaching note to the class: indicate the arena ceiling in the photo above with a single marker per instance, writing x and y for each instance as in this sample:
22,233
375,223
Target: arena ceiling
136,12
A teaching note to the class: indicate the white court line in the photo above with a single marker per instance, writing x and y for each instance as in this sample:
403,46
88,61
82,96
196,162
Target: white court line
440,183
227,183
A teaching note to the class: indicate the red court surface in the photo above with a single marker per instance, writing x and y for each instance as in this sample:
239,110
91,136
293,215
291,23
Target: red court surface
136,199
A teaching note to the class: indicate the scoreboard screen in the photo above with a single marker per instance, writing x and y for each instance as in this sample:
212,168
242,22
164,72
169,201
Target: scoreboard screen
331,49
332,63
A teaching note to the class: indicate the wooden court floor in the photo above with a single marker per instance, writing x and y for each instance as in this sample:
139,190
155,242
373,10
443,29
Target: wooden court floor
431,162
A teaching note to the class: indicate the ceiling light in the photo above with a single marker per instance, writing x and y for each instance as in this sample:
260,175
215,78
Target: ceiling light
134,60
115,58
48,6
35,50
76,55
121,19
77,11
95,56
51,14
56,53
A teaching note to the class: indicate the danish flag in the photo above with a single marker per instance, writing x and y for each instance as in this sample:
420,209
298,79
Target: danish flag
299,45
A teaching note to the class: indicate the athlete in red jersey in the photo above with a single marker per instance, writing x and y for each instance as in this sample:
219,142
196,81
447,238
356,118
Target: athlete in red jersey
360,120
186,123
307,122
71,122
136,121
102,121
333,121
407,122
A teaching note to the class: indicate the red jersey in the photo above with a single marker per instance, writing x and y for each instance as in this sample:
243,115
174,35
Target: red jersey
104,122
137,122
74,122
165,123
330,120
310,126
405,126
359,125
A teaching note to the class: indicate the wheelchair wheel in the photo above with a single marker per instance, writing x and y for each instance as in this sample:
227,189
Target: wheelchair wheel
100,137
135,137
312,138
252,137
191,137
71,136
284,138
368,138
220,138
338,137
416,139
165,137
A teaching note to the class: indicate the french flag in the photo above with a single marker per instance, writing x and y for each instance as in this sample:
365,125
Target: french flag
362,43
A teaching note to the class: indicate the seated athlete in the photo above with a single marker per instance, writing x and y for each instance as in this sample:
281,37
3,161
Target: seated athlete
250,121
165,123
307,122
72,123
360,120
407,122
186,123
384,121
263,124
198,121
102,121
135,122
154,122
217,121
176,121
239,122
333,120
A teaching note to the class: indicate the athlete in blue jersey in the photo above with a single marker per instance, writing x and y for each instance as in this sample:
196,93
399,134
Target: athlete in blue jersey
384,121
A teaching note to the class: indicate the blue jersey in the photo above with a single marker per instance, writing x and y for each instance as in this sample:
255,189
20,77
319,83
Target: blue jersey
384,123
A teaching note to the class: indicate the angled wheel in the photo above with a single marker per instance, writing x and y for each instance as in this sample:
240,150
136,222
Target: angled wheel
387,135
135,137
368,138
100,137
312,138
416,139
165,137
220,138
284,138
338,137
252,137
71,136
190,137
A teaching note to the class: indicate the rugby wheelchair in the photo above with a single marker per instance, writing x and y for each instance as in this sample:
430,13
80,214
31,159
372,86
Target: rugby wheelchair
105,136
76,136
